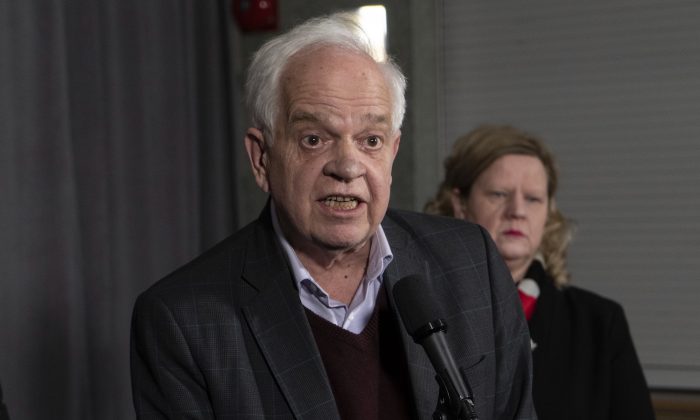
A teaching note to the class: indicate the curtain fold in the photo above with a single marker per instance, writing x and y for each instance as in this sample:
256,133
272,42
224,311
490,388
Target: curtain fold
116,165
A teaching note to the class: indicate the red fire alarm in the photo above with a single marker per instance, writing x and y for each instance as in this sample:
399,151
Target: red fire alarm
255,15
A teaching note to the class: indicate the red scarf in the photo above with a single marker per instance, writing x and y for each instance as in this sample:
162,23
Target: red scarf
528,290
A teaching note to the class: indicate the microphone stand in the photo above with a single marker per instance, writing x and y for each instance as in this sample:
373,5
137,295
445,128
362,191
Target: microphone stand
451,405
455,398
420,311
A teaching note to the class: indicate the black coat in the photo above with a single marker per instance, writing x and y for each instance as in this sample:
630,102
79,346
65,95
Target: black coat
584,362
227,336
3,409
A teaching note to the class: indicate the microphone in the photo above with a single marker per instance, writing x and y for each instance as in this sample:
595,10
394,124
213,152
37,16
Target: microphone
422,317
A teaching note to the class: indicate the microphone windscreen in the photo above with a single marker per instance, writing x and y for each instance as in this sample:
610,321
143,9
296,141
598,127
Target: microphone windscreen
416,303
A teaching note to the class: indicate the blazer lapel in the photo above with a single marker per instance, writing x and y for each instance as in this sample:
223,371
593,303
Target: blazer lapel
277,320
286,340
406,262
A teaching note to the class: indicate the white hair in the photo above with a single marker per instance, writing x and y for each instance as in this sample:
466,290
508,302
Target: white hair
263,94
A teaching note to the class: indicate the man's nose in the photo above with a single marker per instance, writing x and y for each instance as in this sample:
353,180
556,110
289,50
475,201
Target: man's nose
345,163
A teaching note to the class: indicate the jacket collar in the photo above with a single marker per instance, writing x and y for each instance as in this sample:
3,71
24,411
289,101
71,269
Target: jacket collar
279,325
410,260
284,335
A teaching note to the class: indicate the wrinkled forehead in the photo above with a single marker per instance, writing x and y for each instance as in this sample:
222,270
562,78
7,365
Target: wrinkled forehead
319,54
333,70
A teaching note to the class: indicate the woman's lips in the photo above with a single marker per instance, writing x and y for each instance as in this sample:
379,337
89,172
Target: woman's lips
514,232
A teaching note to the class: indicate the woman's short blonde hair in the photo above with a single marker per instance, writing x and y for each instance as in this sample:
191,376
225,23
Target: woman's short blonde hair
476,151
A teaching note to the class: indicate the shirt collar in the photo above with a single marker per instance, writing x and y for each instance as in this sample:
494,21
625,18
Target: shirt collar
380,256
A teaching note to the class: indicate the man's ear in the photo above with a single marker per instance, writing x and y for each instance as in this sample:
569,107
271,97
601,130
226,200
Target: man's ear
396,143
395,151
257,155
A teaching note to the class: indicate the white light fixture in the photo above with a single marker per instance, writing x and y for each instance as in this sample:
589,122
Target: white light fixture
372,20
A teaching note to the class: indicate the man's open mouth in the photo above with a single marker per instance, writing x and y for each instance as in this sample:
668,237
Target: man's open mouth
341,203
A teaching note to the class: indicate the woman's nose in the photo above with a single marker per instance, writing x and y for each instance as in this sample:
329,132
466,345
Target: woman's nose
516,205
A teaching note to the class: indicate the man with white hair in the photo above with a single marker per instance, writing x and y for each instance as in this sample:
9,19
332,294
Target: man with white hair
293,316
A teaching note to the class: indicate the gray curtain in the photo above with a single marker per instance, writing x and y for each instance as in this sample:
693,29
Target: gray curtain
115,168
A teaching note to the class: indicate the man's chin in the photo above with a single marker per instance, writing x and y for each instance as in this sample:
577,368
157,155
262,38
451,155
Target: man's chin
341,241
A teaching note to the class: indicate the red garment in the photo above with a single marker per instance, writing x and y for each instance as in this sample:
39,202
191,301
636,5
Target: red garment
368,371
529,291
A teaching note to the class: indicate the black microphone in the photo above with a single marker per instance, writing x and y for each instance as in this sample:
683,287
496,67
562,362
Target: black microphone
422,317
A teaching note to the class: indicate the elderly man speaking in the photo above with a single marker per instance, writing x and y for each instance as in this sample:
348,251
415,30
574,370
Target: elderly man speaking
293,316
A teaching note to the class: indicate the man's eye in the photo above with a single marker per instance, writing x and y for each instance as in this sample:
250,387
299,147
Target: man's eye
311,141
373,142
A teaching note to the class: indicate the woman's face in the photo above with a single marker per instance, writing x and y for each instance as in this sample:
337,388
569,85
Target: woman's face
509,199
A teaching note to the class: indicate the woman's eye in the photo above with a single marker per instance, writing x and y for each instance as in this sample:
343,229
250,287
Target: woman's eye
311,141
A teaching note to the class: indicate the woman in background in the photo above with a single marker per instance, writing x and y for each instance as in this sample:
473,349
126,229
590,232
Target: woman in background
584,362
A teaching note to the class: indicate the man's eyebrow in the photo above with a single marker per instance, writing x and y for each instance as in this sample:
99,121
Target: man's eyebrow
376,118
302,116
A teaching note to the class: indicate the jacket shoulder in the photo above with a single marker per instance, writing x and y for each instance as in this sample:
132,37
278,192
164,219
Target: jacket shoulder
215,265
427,225
592,310
592,301
453,244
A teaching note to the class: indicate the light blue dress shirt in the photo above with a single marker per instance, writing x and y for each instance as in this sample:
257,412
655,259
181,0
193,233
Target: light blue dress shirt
353,317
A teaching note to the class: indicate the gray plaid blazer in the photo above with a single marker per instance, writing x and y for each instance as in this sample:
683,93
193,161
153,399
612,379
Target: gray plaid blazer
226,336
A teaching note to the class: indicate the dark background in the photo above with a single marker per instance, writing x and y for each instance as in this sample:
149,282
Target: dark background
121,158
